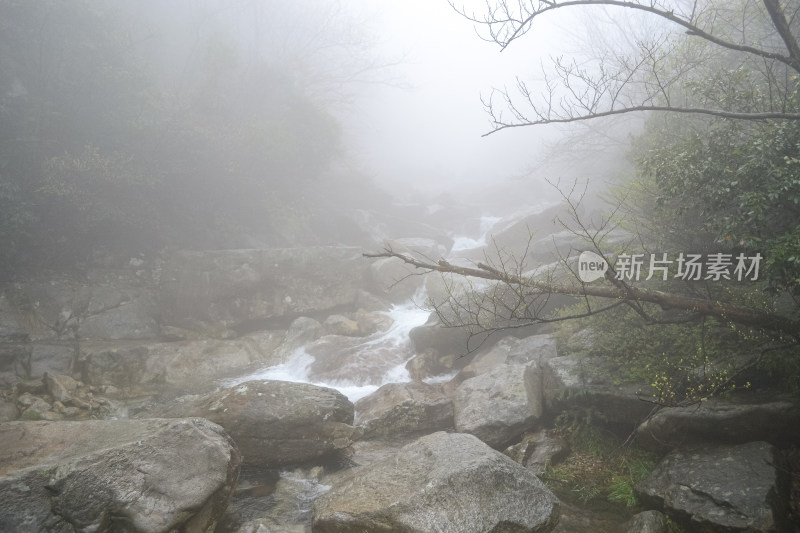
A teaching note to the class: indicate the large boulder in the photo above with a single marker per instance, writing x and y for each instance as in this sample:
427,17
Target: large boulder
497,406
451,483
404,409
275,423
538,450
193,363
444,340
105,476
510,350
735,420
588,383
721,488
113,305
243,289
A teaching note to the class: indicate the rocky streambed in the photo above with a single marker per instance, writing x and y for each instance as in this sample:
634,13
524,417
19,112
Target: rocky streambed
284,390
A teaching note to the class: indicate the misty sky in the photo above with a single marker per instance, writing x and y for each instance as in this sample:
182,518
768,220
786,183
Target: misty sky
428,136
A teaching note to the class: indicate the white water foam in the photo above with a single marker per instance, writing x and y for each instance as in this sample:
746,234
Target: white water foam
461,242
296,368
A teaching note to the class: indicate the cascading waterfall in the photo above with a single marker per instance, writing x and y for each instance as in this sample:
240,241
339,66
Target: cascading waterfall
366,354
461,242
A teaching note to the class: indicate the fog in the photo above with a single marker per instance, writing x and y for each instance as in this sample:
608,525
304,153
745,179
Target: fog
426,133
339,265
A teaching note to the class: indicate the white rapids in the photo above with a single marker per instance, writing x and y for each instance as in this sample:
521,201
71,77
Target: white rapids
296,368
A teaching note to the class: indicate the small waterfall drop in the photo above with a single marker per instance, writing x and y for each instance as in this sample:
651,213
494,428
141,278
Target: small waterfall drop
370,361
461,242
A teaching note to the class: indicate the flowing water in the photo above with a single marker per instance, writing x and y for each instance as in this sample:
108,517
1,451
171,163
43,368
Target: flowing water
461,242
356,366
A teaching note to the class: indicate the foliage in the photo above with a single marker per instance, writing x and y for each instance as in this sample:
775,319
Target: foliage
598,466
739,183
682,362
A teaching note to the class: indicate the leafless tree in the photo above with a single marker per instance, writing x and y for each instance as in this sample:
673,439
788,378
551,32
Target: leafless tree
758,34
514,295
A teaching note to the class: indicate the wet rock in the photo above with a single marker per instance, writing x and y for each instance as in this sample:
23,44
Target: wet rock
132,366
35,408
137,318
289,509
647,522
431,363
538,450
372,322
274,423
355,360
265,525
302,331
404,409
52,358
31,386
587,383
735,420
8,411
721,488
238,288
60,387
394,279
341,325
132,475
446,341
497,406
510,350
442,482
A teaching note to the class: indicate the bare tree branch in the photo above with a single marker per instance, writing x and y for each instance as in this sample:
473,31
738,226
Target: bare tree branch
647,81
748,317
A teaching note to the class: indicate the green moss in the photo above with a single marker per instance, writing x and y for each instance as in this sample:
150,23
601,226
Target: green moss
31,414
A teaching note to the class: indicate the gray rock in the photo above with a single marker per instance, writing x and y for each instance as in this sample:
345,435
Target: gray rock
372,322
537,450
341,325
497,406
446,341
275,423
588,383
404,409
52,358
510,350
131,366
647,522
135,319
721,488
451,483
394,279
431,363
733,420
265,525
34,408
104,476
302,331
60,387
289,507
241,287
8,411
